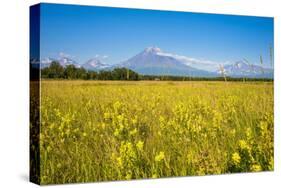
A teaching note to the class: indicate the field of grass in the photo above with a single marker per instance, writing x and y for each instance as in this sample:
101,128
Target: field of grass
114,130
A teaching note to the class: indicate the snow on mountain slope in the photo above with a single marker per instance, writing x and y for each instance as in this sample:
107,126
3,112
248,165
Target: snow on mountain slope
244,69
95,64
152,61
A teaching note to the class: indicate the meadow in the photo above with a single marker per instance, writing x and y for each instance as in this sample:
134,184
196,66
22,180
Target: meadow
121,130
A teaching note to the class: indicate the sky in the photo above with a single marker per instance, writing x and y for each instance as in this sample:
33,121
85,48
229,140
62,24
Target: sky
116,34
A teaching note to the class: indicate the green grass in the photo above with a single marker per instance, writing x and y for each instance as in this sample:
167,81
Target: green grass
114,130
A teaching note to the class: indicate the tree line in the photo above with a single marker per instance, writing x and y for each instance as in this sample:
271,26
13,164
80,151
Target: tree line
56,71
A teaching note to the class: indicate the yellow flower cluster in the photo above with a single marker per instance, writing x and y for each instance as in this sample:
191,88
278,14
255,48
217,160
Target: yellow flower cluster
160,156
236,158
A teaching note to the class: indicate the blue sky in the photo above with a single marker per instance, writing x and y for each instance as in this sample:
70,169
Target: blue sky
115,34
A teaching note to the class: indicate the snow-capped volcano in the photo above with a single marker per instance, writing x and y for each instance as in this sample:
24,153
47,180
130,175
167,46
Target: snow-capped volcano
154,50
63,61
95,64
244,69
153,61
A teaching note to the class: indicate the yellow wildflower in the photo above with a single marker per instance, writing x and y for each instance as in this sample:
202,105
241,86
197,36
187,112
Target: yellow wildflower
140,145
256,168
106,115
154,176
236,158
243,145
160,156
133,132
119,161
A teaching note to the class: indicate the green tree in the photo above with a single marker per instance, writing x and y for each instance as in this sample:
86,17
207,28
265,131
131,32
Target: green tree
70,72
55,70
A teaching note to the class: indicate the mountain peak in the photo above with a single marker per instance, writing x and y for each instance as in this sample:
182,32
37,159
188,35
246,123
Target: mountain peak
95,64
94,61
241,63
152,50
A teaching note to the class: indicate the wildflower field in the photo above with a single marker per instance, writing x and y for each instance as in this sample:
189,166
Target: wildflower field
118,130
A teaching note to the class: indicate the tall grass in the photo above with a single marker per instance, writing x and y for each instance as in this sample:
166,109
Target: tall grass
100,131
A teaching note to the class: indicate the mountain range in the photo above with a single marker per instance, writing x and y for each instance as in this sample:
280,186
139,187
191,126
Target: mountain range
153,61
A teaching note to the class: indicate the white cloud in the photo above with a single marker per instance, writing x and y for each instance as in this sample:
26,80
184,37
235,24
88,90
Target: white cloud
196,63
